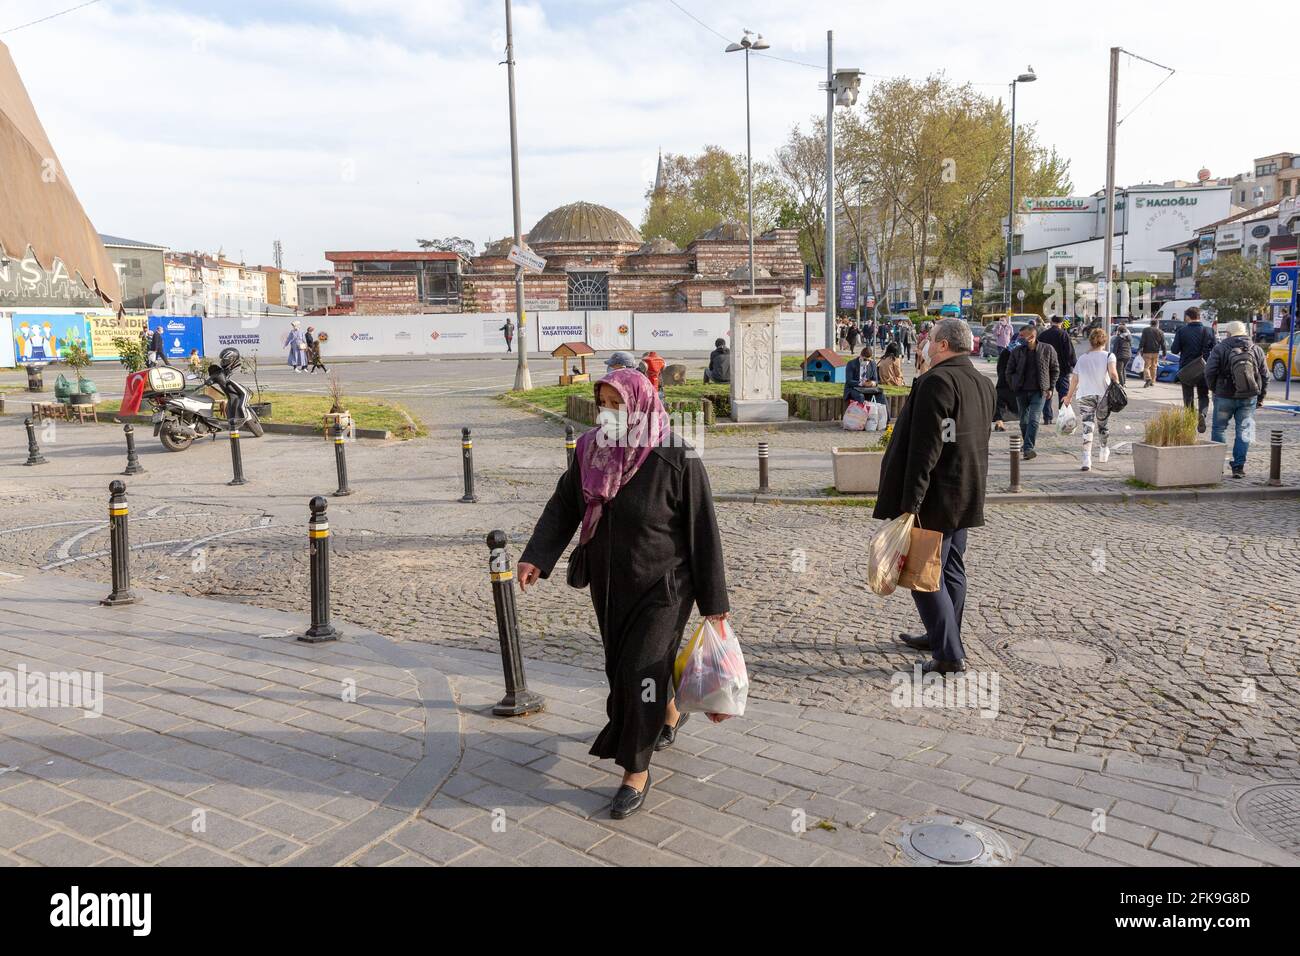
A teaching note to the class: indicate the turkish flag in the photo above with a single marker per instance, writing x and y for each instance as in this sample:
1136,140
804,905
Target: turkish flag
134,393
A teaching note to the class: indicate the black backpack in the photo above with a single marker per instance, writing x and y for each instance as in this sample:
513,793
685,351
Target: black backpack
1243,371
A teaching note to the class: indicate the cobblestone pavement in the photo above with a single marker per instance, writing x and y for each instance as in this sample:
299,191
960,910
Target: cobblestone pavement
1184,615
222,741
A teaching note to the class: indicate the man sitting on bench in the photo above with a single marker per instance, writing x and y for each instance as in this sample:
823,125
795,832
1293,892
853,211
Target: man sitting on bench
719,369
862,378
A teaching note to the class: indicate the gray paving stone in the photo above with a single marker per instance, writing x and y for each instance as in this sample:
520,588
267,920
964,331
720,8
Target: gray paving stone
1198,853
36,797
1057,854
86,819
705,849
59,849
621,851
431,842
573,831
1031,823
143,842
16,829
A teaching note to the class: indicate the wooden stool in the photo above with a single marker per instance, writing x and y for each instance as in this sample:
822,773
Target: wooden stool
82,412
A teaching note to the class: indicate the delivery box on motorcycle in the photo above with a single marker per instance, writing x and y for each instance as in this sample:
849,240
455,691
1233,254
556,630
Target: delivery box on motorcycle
166,379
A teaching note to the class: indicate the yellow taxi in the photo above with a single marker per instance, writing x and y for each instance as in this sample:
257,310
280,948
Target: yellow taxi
1275,358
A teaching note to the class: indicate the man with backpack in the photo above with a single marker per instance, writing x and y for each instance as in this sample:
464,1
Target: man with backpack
1237,374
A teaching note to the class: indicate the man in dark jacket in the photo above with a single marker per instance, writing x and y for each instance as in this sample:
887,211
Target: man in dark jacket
936,468
1032,373
1056,337
1238,375
1152,347
719,369
158,347
1192,342
861,378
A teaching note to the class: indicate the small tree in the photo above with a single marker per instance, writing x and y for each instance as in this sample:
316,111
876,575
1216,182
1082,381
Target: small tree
130,352
1234,288
76,358
248,364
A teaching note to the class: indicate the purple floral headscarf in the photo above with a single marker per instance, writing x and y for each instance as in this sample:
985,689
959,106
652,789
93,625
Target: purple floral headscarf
607,466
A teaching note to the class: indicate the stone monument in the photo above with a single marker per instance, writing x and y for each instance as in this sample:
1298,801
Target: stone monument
756,359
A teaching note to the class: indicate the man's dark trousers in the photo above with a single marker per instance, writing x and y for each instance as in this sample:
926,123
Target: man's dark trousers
941,610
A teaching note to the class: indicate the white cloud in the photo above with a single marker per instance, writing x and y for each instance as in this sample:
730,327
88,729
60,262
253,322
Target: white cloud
201,129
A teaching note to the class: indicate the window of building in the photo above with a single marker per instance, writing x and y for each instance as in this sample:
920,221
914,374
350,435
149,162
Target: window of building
440,283
588,290
345,285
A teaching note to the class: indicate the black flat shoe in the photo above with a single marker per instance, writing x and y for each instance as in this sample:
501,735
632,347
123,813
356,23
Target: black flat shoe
628,800
919,642
669,734
942,667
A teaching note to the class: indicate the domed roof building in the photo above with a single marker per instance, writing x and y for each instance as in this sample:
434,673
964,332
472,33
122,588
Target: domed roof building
582,223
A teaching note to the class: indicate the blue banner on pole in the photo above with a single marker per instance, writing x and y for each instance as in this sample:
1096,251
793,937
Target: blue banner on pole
849,288
181,334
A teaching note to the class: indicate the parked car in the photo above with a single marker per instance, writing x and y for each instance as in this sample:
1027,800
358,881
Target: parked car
1166,366
1275,358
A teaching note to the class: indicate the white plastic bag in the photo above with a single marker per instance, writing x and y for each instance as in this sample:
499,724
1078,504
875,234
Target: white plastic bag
855,417
886,553
1066,420
879,416
710,672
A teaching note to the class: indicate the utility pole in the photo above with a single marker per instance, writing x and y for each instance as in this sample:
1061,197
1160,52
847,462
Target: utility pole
829,271
523,380
1108,248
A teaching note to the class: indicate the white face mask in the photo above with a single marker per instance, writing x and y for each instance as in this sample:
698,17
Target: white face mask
612,424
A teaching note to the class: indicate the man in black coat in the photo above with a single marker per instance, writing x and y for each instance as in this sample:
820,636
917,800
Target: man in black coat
936,468
1032,372
719,369
861,379
1056,337
1193,343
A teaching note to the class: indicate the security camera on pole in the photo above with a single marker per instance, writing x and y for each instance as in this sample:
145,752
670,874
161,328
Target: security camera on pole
841,90
750,41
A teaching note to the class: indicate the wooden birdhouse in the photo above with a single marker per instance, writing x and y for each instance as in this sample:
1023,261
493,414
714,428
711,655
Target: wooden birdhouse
573,350
824,365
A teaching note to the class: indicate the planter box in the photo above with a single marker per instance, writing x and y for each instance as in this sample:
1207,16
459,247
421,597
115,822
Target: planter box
335,418
261,409
856,471
1179,465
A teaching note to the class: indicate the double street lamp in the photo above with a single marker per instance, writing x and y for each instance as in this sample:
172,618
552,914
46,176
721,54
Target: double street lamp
1027,77
750,41
841,88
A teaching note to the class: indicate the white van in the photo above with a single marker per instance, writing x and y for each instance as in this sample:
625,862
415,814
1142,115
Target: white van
1173,311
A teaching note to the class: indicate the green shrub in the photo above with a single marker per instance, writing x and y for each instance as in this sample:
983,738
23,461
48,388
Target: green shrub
1172,427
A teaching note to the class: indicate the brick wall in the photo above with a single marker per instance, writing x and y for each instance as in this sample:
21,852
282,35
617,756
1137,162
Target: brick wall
375,294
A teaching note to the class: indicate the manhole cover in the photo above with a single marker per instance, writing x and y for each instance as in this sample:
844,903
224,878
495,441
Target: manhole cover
1058,653
948,841
1273,813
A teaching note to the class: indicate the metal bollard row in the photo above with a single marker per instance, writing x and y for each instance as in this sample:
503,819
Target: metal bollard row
34,456
119,546
467,456
519,700
236,459
341,461
570,445
133,466
1017,442
318,538
762,468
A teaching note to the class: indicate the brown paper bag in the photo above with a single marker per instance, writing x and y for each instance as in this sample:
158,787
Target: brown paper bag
923,569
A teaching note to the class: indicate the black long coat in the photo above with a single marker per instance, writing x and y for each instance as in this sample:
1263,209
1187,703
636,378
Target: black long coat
937,462
655,551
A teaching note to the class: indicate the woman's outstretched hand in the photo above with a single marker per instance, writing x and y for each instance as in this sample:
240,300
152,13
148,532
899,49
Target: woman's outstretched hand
528,574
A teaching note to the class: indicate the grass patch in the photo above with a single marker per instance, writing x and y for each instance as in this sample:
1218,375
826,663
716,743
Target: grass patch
1172,427
290,408
1138,483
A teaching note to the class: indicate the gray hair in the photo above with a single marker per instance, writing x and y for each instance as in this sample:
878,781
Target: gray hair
955,332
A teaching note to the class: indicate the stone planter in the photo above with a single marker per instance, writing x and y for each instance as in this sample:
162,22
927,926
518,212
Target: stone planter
1176,466
856,470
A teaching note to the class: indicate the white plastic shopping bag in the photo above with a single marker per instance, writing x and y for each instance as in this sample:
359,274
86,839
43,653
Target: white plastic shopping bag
709,672
1066,420
887,552
855,417
880,415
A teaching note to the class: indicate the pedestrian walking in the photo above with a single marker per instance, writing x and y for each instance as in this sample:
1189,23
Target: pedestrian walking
854,336
1005,403
1003,332
1237,373
923,347
1152,347
1092,375
652,364
296,342
650,546
1055,336
313,349
906,337
158,347
936,468
1193,343
1032,371
508,330
1122,345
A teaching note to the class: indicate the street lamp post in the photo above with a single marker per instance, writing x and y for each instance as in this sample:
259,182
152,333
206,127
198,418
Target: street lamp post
841,88
523,380
749,42
1027,77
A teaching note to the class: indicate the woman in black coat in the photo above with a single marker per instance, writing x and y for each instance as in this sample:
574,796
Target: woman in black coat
650,544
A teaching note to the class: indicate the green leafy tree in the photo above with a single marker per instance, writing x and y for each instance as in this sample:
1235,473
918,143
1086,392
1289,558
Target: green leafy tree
130,352
1234,288
701,191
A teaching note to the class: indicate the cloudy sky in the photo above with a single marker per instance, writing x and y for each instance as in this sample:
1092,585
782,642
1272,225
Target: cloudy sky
366,124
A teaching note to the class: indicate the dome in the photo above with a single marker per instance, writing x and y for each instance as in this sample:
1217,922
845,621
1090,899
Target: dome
583,222
729,231
500,248
658,246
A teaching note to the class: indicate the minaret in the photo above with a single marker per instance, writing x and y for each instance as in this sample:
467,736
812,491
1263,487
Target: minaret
659,173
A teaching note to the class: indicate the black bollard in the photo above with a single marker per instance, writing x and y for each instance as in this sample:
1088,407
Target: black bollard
318,533
1016,443
133,466
341,461
519,700
467,453
762,468
570,445
1275,458
119,546
34,456
236,459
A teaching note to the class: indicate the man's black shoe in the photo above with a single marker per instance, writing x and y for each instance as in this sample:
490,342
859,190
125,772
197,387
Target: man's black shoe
1029,455
943,667
1239,472
920,642
628,800
1200,423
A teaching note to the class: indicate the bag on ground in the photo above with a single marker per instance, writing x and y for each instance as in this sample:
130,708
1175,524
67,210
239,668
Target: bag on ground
879,416
709,674
856,417
1067,421
922,568
886,553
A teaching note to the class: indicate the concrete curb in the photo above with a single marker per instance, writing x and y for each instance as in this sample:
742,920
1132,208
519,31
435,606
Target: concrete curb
1176,495
793,424
271,428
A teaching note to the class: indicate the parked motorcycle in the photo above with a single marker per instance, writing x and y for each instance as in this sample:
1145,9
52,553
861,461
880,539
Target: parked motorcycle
182,411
